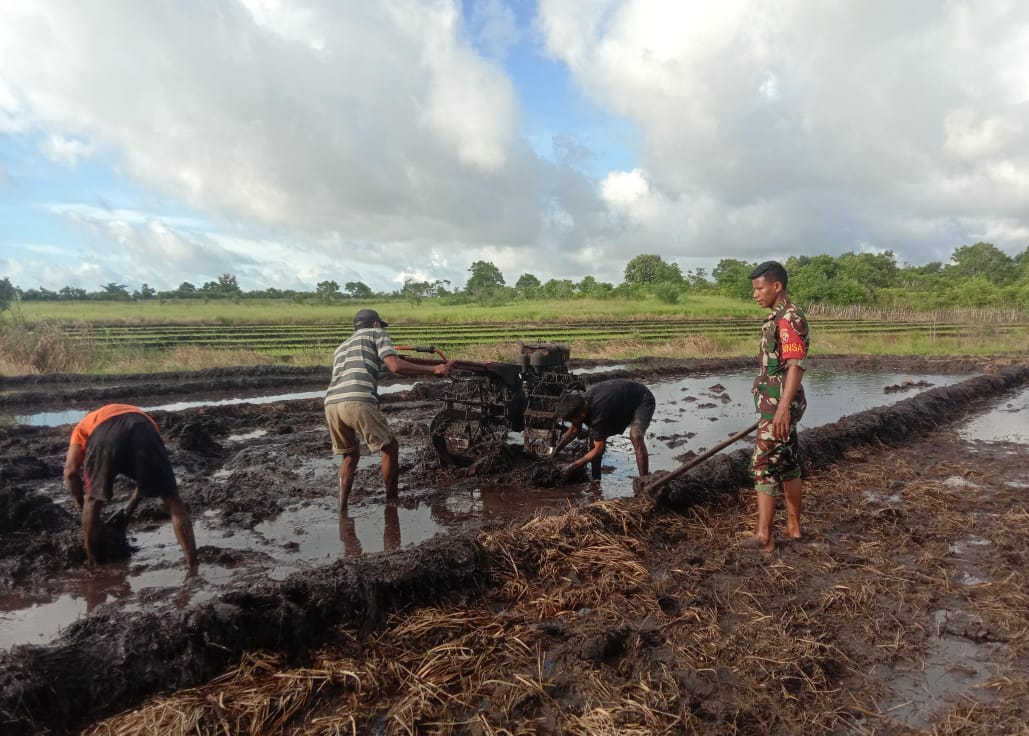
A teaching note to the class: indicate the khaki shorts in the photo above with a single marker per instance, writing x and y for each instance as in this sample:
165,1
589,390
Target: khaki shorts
348,418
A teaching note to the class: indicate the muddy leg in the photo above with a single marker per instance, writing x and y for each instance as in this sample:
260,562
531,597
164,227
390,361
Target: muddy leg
183,530
763,538
791,489
347,468
391,469
91,527
642,458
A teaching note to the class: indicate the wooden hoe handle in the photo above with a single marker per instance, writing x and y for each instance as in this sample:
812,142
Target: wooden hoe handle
694,462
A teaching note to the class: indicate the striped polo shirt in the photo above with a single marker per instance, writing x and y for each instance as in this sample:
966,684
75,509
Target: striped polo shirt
356,365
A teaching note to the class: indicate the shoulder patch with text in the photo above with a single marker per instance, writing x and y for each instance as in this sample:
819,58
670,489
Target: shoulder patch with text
791,346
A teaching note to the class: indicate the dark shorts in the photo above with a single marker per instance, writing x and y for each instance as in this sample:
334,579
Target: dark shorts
128,444
644,413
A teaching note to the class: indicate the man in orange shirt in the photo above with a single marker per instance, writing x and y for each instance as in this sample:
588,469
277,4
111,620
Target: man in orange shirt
119,438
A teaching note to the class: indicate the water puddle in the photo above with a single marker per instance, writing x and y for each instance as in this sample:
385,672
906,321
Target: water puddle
243,436
697,412
1009,422
600,369
952,667
317,534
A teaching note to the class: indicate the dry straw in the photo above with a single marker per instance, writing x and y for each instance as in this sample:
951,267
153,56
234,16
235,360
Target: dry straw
613,619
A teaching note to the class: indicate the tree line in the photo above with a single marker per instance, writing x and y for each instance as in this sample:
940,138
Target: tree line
977,275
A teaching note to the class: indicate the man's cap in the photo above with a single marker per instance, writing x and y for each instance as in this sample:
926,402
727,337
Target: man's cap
367,318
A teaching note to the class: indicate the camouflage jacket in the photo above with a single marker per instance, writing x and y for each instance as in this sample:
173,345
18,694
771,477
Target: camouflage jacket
784,342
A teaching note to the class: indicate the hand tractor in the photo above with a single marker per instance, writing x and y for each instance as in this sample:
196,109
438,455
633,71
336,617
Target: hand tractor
486,400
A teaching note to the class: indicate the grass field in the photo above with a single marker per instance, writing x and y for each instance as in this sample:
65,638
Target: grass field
42,337
283,311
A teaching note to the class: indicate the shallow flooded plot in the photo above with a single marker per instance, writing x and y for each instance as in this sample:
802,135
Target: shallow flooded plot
696,413
693,413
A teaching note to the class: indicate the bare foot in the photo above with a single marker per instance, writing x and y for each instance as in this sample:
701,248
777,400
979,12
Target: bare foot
757,543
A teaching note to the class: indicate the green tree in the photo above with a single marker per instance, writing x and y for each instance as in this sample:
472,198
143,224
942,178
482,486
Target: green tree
527,286
327,291
357,289
145,292
975,292
416,291
696,280
667,292
70,293
558,289
873,271
8,293
112,290
732,277
820,281
186,289
982,259
527,281
650,268
227,285
485,277
590,287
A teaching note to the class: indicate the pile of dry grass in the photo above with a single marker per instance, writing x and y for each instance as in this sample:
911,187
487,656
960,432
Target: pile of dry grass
614,619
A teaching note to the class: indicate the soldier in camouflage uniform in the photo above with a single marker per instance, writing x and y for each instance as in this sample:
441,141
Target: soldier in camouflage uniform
779,399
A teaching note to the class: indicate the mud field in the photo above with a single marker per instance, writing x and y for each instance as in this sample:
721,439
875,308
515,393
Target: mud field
489,600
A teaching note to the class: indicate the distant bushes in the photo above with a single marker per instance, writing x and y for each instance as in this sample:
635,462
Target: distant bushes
46,347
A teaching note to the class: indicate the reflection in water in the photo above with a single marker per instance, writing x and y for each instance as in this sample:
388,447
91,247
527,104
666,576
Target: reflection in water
390,531
98,589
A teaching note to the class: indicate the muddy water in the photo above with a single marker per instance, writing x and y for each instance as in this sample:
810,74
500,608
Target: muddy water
72,416
1008,422
696,413
693,414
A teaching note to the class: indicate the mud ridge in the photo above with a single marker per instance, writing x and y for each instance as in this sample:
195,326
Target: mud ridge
825,445
113,659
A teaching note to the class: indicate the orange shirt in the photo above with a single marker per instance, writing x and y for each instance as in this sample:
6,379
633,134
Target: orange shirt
94,419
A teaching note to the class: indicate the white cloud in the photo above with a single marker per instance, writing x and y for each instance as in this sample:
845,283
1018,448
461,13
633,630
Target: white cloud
65,151
392,127
815,127
355,141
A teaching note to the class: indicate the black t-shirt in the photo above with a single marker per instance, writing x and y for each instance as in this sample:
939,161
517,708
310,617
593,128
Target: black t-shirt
612,404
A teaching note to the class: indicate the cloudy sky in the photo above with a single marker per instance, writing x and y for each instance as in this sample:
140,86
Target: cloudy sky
294,141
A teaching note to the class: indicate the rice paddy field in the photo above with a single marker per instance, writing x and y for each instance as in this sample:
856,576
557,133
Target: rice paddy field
491,599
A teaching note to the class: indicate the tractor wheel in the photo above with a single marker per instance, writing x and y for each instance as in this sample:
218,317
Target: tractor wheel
462,437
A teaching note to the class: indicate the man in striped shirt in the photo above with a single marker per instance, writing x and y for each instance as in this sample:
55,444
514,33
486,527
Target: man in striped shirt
352,400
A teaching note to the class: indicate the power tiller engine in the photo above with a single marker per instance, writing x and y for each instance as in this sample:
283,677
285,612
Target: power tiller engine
486,401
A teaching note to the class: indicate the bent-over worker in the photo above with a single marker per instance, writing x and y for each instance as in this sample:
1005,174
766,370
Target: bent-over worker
607,408
120,438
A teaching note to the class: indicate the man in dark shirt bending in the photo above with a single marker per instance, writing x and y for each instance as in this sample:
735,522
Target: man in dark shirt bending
607,408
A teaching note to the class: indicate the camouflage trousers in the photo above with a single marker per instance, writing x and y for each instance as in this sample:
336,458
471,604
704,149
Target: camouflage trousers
775,461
